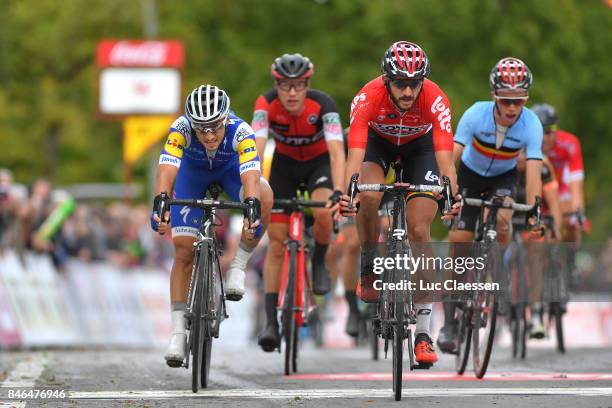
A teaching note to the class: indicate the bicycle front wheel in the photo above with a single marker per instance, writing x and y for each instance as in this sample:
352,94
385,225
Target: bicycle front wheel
484,317
288,315
197,326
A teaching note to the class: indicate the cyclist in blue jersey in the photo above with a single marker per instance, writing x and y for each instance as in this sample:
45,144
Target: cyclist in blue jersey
209,144
488,140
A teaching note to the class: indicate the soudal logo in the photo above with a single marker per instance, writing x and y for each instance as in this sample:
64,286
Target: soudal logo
444,115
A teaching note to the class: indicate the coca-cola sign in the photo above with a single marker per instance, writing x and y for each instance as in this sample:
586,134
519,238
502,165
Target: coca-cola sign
140,53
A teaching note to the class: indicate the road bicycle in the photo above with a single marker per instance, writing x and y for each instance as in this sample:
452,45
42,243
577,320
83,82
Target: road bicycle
206,299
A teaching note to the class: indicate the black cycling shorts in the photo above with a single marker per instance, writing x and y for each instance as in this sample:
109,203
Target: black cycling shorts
473,185
287,174
418,159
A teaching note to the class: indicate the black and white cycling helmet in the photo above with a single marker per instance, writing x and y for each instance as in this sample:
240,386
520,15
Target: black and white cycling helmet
292,66
546,114
207,104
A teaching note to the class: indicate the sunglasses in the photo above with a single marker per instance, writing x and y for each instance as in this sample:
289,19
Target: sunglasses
550,129
406,83
286,85
515,100
213,128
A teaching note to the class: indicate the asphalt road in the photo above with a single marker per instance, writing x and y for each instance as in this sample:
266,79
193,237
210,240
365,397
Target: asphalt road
247,377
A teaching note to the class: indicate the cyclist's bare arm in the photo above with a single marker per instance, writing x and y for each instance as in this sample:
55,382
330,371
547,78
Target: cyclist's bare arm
447,168
576,188
353,164
551,195
166,174
533,183
457,152
250,183
338,162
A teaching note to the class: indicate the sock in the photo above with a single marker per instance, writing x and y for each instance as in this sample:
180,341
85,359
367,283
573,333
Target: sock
423,312
449,310
271,301
178,317
318,255
243,254
351,299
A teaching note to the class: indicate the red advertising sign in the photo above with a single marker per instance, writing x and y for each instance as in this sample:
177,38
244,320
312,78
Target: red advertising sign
140,53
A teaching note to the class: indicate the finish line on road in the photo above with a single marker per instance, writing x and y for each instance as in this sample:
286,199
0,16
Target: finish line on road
453,376
337,393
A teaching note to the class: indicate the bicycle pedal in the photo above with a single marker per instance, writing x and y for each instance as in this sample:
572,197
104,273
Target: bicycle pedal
422,366
174,363
233,298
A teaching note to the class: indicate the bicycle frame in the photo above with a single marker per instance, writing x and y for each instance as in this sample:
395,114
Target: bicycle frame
302,303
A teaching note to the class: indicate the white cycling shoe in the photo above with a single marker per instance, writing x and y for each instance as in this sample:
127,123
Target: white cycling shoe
175,353
234,284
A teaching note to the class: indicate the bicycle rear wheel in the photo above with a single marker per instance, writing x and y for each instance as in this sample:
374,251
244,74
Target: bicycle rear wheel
484,316
288,314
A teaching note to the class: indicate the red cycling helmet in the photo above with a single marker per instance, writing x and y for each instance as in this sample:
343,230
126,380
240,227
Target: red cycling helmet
403,60
510,73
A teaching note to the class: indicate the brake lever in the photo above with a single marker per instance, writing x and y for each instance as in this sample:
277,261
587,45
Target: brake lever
352,190
162,207
448,205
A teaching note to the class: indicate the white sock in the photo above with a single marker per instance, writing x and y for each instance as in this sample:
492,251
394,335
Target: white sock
243,254
423,316
178,322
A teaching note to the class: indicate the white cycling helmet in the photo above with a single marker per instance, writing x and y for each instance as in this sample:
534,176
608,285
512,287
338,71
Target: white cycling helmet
207,104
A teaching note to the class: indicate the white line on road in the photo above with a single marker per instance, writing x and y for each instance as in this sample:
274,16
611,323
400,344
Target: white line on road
26,372
338,393
16,404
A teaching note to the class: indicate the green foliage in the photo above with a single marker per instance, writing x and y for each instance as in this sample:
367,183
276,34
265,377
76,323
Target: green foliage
48,74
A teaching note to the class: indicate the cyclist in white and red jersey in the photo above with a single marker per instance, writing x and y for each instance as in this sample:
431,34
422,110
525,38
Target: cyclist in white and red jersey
564,151
401,114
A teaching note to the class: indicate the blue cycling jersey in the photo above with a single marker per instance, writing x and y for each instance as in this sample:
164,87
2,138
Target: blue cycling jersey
491,150
238,146
198,168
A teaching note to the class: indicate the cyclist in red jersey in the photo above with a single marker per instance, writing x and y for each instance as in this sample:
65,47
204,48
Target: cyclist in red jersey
401,114
565,153
306,127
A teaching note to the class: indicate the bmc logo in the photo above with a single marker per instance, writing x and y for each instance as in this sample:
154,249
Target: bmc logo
444,116
430,176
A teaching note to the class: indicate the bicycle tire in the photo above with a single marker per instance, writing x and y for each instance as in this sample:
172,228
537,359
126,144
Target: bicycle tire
294,347
211,298
464,339
398,355
288,314
398,335
196,323
558,317
486,310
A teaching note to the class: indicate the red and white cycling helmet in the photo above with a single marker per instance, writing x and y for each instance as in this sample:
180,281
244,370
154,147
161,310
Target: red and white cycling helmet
405,60
510,73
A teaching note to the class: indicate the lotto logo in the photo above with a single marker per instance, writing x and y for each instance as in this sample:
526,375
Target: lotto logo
359,98
444,116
